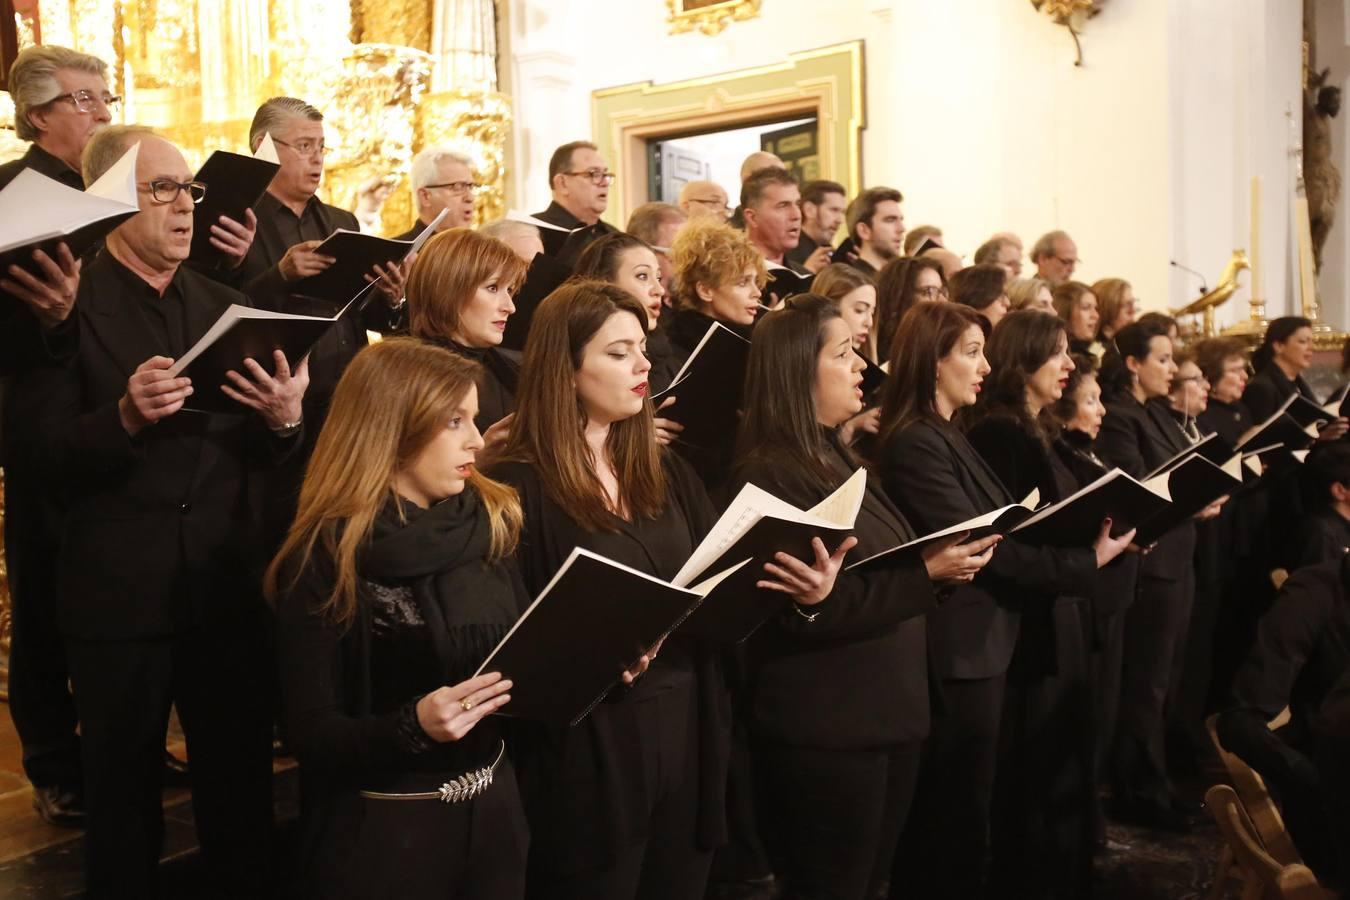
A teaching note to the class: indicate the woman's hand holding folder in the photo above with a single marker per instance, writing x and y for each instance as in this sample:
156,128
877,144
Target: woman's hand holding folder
807,585
449,713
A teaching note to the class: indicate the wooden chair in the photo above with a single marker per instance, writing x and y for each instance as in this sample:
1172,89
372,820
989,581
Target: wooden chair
1264,877
1251,789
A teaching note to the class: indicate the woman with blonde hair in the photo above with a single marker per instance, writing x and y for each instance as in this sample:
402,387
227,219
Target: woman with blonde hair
460,294
1116,306
855,296
1030,293
631,802
393,585
719,276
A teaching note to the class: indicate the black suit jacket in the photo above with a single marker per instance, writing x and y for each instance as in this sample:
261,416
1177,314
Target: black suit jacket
159,530
937,479
1137,438
1269,388
856,676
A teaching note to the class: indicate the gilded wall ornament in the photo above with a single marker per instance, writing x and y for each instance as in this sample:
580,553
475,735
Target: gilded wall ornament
708,16
1071,14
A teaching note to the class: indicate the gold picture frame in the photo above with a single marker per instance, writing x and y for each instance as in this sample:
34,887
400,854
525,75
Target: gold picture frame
708,16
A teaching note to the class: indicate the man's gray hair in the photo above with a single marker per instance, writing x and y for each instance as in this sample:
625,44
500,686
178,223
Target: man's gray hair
1045,244
426,165
32,80
647,220
505,229
106,147
273,112
990,250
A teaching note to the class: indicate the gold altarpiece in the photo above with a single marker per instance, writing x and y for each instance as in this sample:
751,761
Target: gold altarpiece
391,76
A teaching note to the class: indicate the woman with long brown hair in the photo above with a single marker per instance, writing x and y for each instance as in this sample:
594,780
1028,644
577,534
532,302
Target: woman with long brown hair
460,294
1041,835
631,802
839,758
937,479
393,585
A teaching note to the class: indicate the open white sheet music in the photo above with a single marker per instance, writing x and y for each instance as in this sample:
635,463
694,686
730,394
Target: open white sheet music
1030,502
839,510
267,150
35,208
227,320
516,215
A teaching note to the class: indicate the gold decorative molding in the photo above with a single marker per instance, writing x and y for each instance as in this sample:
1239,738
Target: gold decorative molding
826,83
708,16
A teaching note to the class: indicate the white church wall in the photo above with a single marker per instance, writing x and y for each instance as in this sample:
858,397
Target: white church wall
977,113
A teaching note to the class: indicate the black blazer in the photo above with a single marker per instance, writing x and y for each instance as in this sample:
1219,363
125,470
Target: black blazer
159,532
581,786
1023,463
1269,388
1301,652
1116,581
1137,438
857,676
937,479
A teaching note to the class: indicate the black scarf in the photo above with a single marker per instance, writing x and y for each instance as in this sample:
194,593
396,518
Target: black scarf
441,553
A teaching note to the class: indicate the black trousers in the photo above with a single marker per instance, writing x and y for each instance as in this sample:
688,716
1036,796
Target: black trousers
944,846
1041,835
415,849
1155,636
667,864
39,693
836,816
220,680
1105,662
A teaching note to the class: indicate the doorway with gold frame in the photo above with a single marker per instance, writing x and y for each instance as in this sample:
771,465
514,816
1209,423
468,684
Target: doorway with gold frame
824,84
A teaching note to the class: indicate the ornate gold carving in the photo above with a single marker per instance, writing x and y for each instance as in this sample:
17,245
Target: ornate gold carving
708,16
372,112
403,22
1071,14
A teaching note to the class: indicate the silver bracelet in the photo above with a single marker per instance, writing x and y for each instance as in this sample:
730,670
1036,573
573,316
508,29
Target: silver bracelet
810,617
287,429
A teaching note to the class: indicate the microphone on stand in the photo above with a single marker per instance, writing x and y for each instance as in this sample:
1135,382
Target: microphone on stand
1204,287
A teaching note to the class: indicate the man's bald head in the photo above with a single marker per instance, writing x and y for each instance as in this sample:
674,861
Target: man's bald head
950,262
704,198
760,159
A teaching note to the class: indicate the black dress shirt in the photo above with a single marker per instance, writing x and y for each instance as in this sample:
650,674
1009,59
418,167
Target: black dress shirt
23,342
564,246
259,276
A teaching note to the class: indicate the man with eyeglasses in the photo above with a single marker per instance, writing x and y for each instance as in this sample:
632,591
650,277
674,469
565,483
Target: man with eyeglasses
705,198
579,180
1055,256
61,99
158,598
292,222
441,179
